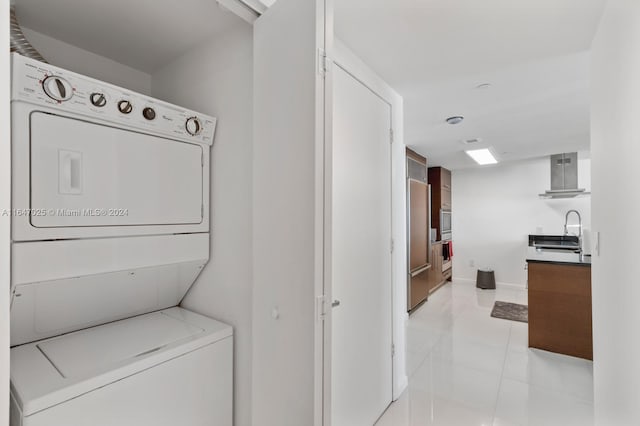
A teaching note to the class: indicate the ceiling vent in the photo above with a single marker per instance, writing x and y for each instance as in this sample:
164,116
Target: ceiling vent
456,119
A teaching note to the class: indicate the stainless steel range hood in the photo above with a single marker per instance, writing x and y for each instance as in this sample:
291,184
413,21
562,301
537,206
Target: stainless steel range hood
564,177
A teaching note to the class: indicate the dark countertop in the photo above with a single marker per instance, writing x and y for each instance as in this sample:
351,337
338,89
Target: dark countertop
564,257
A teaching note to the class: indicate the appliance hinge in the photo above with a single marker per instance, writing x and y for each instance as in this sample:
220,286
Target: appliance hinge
323,62
321,306
391,135
392,245
393,350
202,210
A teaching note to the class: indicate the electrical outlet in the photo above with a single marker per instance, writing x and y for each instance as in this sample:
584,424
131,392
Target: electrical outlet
472,263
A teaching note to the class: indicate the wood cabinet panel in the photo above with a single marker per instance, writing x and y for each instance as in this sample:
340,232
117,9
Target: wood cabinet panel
420,287
419,226
417,157
436,277
560,278
560,309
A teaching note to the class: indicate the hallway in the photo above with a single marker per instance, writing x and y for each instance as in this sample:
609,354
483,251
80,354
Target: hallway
466,368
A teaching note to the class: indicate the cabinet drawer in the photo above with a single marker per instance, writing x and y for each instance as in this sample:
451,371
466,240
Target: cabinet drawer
560,279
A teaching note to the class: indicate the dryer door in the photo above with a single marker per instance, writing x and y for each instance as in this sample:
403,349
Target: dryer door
85,174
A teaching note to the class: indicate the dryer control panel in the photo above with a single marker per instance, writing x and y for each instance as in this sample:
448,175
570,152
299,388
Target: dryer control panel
39,83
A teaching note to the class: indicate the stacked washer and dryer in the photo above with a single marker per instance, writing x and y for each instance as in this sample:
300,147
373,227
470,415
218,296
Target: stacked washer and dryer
110,229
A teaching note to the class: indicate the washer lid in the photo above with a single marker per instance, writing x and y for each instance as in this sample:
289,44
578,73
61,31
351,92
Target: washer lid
50,372
97,349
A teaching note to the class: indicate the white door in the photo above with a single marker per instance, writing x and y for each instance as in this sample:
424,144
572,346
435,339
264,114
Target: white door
361,363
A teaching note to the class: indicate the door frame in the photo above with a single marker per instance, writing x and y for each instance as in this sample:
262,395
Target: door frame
346,60
5,219
323,178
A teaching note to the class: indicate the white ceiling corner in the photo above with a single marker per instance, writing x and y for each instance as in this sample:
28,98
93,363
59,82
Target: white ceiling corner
435,52
139,33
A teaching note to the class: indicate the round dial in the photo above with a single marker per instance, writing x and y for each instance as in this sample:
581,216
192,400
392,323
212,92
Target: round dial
57,88
193,126
98,99
125,107
149,113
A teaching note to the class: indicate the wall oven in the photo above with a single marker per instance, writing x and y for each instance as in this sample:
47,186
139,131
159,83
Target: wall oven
445,224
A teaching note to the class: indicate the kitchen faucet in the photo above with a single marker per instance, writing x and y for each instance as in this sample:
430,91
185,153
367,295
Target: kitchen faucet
566,231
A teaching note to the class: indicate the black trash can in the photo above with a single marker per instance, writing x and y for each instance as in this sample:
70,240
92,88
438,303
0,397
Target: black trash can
486,279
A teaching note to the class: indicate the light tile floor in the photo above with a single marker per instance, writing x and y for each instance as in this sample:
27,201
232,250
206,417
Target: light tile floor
468,369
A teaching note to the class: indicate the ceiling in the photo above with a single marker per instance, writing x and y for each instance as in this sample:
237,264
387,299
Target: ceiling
137,33
534,53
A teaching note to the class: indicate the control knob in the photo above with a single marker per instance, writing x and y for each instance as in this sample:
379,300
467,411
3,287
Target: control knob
149,113
125,107
57,88
193,126
98,99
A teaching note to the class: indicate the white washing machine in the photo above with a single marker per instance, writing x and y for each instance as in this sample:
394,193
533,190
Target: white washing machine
110,229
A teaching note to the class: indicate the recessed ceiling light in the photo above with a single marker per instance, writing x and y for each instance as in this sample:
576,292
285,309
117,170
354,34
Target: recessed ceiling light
482,156
471,141
456,119
483,86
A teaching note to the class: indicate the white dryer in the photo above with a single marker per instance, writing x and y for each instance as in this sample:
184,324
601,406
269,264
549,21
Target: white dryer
110,228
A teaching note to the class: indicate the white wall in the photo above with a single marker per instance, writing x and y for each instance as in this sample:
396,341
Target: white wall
496,208
288,214
5,204
615,148
216,79
72,58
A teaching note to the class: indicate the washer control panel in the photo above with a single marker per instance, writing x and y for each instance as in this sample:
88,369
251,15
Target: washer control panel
44,84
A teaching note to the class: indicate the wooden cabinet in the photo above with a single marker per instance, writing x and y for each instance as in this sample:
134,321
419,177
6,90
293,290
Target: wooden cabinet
440,180
418,230
436,275
418,225
427,268
440,270
560,308
420,286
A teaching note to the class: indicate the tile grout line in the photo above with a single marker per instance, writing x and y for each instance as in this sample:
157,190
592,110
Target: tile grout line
504,363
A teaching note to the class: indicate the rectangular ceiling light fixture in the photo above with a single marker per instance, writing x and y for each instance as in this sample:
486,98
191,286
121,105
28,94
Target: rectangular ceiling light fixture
482,156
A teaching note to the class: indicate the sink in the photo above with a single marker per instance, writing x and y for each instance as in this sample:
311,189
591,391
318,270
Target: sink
555,242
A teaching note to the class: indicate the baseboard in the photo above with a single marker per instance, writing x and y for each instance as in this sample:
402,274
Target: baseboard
498,283
466,280
512,285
